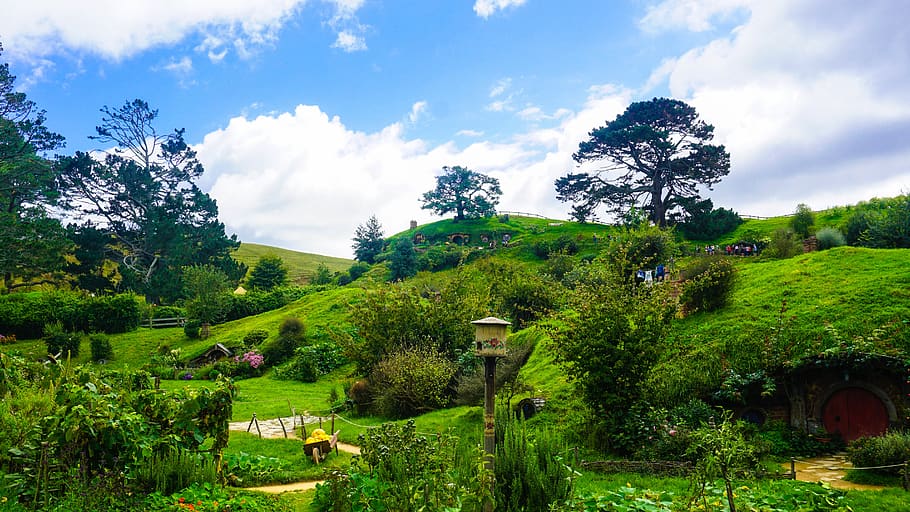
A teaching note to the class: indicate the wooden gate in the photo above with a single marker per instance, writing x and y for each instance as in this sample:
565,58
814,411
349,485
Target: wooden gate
854,413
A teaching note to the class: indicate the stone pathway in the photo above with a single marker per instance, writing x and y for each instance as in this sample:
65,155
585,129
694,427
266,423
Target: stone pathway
830,469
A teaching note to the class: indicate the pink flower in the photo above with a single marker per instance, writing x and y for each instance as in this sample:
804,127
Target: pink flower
672,432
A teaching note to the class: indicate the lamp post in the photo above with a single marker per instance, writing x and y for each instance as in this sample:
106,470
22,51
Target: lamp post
490,344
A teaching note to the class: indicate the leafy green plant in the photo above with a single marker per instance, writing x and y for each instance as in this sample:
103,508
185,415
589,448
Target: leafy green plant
59,341
402,470
412,381
192,329
101,347
784,244
829,237
720,451
891,449
173,470
708,283
802,220
530,474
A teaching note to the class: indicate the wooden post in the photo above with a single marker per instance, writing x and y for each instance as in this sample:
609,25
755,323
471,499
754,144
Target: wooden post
792,468
489,419
906,480
282,427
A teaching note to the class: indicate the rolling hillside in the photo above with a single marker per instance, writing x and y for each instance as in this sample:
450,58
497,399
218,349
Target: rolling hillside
301,266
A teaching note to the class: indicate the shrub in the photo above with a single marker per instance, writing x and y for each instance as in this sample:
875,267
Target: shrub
255,337
192,329
530,474
290,335
891,449
564,244
410,382
708,284
173,470
642,247
101,347
361,394
59,341
358,269
802,221
829,237
527,298
784,244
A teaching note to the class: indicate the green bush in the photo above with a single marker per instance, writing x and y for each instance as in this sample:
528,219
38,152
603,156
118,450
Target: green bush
566,244
785,441
531,474
829,237
402,470
59,341
802,220
255,337
527,298
707,284
412,382
358,269
291,334
172,471
891,449
26,314
784,244
192,329
101,347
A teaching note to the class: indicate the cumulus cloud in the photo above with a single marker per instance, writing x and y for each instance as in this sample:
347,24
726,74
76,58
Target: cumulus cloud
33,30
418,109
809,98
469,133
303,180
486,8
693,15
349,42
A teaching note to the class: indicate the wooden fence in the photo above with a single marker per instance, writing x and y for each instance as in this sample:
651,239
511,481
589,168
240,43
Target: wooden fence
176,321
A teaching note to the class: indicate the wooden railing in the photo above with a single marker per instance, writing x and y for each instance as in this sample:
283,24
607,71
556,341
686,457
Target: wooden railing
176,321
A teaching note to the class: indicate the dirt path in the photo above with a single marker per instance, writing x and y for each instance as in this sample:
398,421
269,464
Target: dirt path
272,429
830,469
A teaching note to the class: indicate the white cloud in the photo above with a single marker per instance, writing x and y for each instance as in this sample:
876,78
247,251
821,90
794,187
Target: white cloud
806,100
501,86
302,180
502,89
534,113
486,8
693,15
418,109
349,42
469,133
182,69
116,30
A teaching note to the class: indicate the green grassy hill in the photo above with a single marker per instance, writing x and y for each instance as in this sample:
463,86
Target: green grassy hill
301,266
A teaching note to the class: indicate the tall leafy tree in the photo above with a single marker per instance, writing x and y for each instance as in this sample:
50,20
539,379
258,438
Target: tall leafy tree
268,273
653,156
143,193
467,193
32,243
208,292
403,260
368,241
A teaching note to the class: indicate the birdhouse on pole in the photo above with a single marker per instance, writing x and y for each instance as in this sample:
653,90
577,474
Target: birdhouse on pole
490,337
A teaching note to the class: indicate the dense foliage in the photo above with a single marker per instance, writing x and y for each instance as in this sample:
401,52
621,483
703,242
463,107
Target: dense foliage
145,195
65,427
468,193
368,241
268,273
610,338
25,315
654,156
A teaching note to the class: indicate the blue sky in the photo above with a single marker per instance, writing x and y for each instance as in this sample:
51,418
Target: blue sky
310,116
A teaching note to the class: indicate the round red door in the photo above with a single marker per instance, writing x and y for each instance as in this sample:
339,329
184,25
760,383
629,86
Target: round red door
854,413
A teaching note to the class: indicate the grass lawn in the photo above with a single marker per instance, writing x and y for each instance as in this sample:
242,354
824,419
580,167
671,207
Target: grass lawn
301,266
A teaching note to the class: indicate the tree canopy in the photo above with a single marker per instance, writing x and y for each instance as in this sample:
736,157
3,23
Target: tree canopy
653,156
368,241
143,193
268,273
32,243
467,193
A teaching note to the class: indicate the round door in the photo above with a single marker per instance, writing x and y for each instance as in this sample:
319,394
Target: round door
854,413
